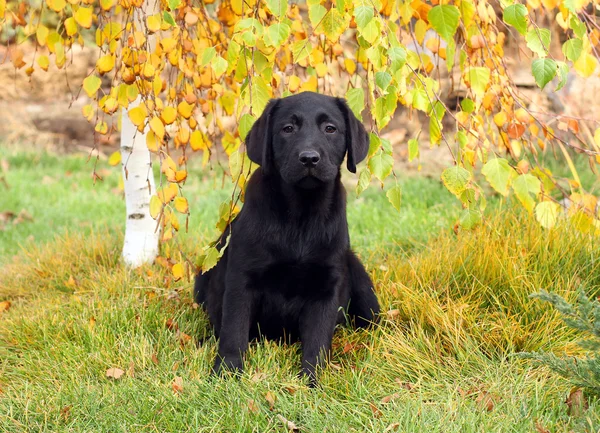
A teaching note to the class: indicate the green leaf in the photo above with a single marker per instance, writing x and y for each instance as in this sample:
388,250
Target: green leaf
516,16
210,259
260,95
174,4
524,186
413,149
219,65
168,18
467,105
577,26
394,195
456,179
364,179
334,24
383,79
371,32
435,122
563,72
277,7
374,144
207,56
397,55
444,20
572,49
543,70
356,101
478,78
381,112
301,49
245,124
538,41
467,12
363,16
546,213
278,34
316,13
381,165
470,218
499,174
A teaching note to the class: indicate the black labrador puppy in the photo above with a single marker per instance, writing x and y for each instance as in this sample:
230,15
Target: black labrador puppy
288,271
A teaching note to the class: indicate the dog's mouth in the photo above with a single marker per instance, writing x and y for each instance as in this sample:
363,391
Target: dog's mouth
310,180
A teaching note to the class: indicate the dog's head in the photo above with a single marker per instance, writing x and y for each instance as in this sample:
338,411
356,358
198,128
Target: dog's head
305,137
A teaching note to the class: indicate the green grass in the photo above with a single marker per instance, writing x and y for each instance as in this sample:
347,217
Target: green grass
456,311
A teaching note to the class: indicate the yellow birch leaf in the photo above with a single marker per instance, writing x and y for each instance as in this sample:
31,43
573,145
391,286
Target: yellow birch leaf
91,84
70,26
151,142
105,64
350,66
185,109
181,204
153,22
168,115
180,176
178,271
115,158
83,16
158,127
138,115
155,206
43,62
585,65
294,83
56,5
197,141
167,193
42,34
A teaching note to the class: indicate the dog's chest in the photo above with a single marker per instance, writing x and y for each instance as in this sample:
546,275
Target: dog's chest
295,279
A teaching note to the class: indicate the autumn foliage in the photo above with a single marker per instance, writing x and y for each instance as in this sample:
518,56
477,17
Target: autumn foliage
204,72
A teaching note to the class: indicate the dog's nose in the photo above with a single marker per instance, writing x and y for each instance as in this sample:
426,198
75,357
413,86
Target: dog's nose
309,158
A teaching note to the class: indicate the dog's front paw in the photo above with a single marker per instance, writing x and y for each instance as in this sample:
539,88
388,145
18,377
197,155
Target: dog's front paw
228,363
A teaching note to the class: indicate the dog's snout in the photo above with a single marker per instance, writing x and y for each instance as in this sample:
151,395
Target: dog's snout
309,158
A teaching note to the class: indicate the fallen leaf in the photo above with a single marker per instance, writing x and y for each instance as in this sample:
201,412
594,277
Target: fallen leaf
376,412
171,325
4,306
486,400
252,406
291,390
258,377
288,424
155,358
392,427
392,314
177,384
131,370
389,398
348,347
114,373
65,412
405,385
576,403
539,428
270,399
184,338
92,322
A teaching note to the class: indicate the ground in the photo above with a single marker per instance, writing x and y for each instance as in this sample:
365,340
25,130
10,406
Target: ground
87,345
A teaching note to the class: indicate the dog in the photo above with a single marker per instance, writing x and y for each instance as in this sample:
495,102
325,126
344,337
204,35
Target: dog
288,271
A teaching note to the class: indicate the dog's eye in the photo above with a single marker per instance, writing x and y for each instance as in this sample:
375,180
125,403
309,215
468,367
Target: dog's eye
330,129
288,129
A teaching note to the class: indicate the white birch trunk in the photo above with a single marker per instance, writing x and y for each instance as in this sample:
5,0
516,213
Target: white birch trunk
141,233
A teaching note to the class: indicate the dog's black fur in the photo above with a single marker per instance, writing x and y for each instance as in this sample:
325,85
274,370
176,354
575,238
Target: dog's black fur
288,271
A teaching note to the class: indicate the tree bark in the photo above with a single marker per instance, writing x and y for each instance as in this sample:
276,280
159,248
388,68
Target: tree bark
141,232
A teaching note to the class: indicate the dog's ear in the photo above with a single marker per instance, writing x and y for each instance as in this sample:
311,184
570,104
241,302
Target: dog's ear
259,140
357,139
